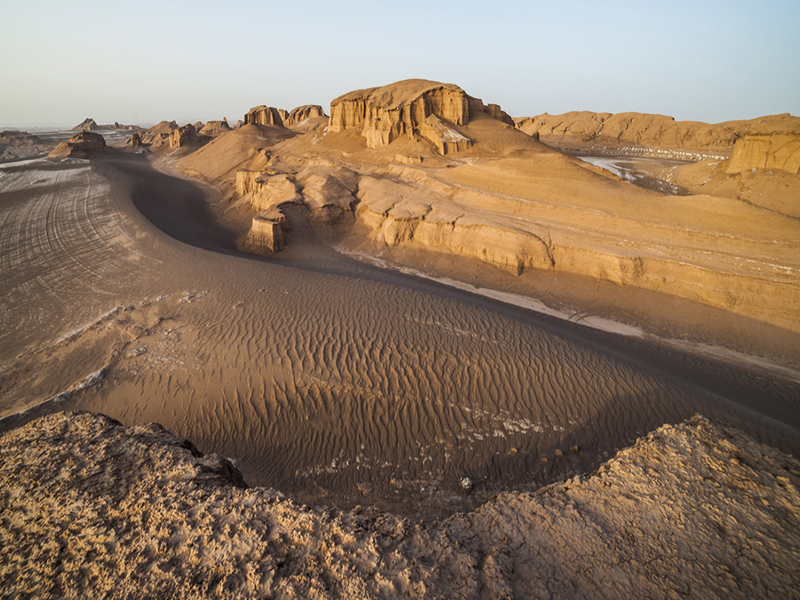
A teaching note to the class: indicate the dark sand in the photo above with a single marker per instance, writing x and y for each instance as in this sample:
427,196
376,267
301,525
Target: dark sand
327,378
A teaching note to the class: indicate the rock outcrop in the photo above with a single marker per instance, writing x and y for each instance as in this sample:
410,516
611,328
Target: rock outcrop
94,509
213,128
780,151
81,145
301,113
86,125
159,133
415,107
649,134
21,144
266,235
134,141
182,136
264,115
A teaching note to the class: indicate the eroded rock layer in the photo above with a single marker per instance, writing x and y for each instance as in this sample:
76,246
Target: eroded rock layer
264,115
407,108
90,508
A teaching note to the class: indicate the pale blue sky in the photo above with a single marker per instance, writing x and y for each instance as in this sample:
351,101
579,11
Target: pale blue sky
143,61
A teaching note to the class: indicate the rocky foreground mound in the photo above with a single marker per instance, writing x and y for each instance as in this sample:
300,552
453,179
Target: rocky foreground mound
90,508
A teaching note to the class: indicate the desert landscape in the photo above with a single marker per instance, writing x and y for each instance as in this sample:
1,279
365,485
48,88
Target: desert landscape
400,301
405,325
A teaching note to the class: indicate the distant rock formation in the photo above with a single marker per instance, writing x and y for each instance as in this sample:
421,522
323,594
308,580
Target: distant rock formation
301,113
142,511
82,145
412,107
86,125
214,127
649,134
134,141
159,133
264,115
779,151
182,136
21,144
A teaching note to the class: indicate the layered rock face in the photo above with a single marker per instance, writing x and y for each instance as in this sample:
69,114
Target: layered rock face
301,113
649,134
86,125
264,115
415,107
777,151
265,235
182,136
94,509
81,145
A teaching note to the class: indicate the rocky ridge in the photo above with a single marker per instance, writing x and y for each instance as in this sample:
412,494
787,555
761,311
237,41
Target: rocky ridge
91,508
650,134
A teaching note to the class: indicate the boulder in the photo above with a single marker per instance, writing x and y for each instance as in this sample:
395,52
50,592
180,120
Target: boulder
82,145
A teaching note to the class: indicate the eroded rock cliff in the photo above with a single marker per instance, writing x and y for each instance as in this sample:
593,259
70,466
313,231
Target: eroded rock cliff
301,113
780,151
94,509
264,115
414,107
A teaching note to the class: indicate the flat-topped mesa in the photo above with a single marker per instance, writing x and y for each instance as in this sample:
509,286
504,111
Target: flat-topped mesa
81,145
780,151
405,108
265,115
301,113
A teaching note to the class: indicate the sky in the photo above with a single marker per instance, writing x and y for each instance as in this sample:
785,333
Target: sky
143,61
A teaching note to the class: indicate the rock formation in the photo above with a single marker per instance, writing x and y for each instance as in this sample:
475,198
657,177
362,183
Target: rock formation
81,145
21,144
265,235
94,509
648,134
264,115
780,151
86,125
301,113
182,136
134,141
428,109
159,133
214,127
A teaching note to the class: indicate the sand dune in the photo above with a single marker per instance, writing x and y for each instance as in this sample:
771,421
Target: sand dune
324,377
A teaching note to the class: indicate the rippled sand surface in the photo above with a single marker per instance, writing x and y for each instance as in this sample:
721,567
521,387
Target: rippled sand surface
321,376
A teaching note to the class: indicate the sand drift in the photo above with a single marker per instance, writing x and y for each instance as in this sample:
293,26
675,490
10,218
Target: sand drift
329,379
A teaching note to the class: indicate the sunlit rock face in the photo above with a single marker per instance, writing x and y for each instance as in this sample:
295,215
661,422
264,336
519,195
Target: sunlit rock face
264,115
82,145
414,107
778,151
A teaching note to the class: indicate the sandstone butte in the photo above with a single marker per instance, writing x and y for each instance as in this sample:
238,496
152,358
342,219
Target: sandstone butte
420,166
89,508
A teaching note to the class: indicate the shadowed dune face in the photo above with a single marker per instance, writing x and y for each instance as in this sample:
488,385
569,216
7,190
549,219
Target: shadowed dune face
321,376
